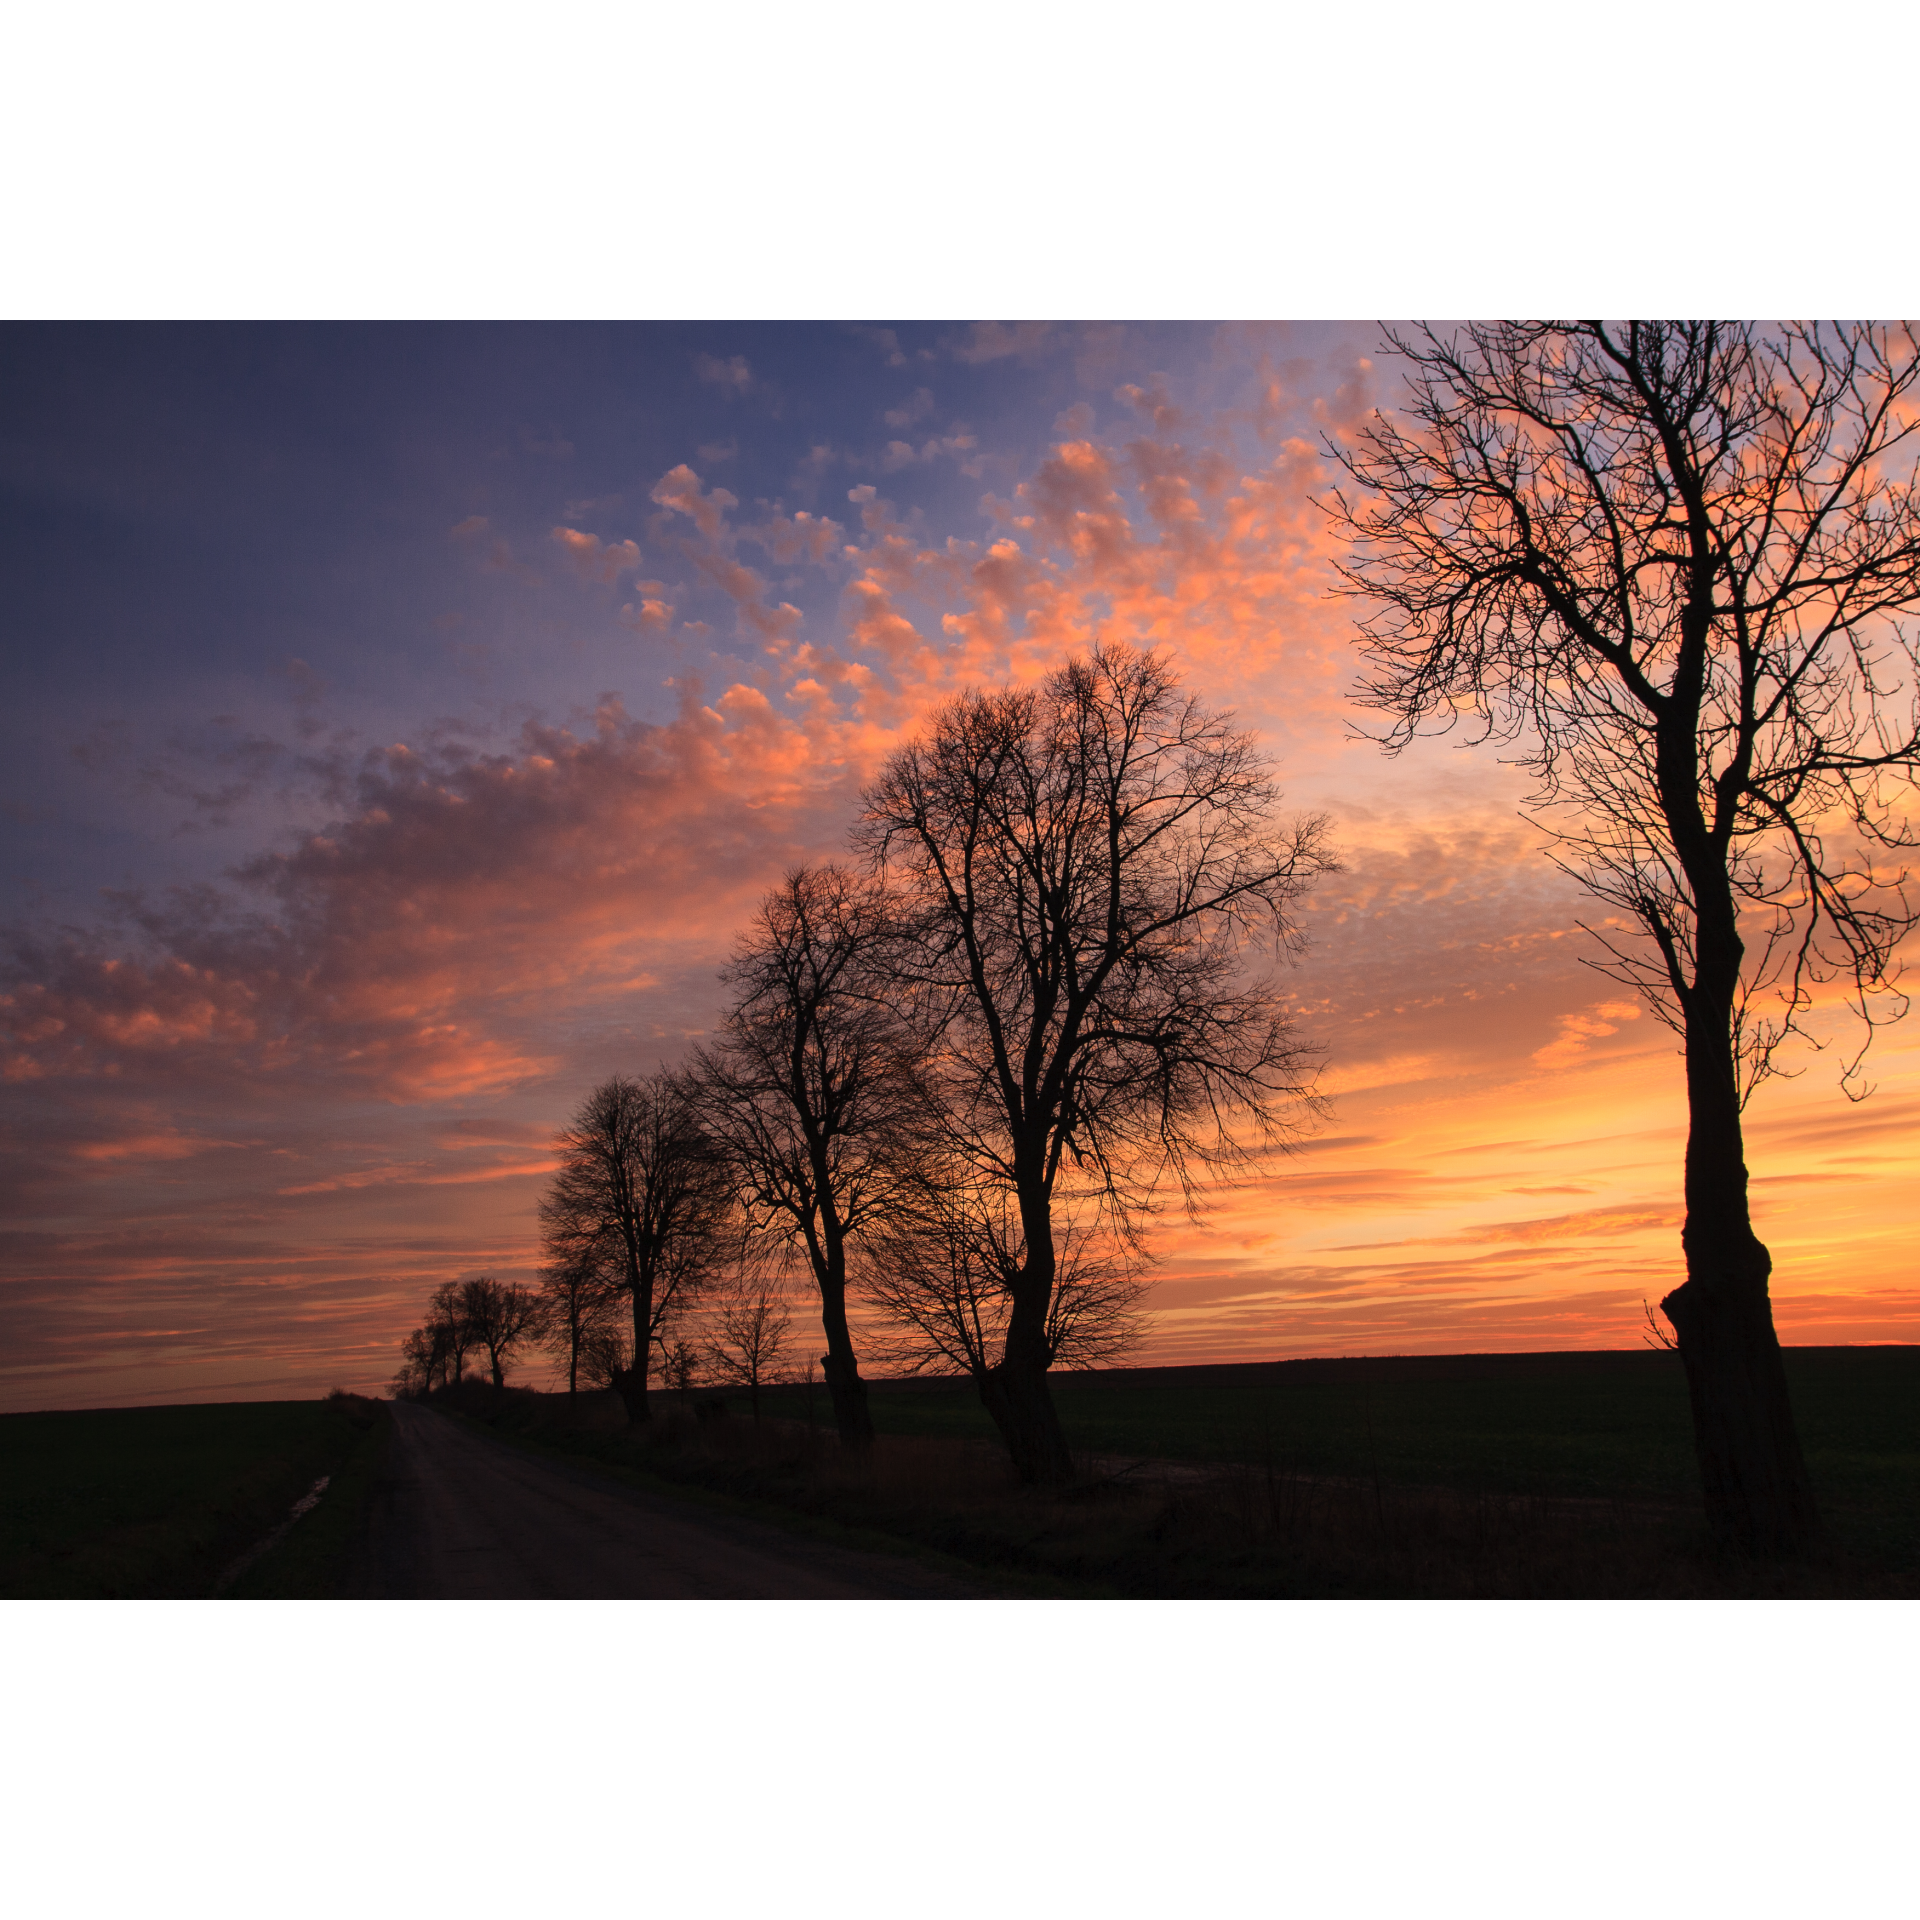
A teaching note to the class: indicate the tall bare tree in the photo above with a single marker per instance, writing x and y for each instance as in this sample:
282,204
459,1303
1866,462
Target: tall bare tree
640,1181
1083,867
813,1093
1663,561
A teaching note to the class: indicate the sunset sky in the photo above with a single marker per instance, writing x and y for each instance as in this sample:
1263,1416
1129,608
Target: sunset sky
402,720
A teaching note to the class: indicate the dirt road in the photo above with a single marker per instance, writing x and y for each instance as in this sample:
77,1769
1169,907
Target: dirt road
458,1516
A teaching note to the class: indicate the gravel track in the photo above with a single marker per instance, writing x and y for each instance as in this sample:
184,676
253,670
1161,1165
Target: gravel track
459,1516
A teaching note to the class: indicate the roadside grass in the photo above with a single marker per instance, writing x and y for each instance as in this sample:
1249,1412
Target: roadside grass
779,1482
156,1502
1519,1475
312,1562
1552,1427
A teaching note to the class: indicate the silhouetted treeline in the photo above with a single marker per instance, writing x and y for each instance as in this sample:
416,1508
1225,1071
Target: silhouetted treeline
952,1082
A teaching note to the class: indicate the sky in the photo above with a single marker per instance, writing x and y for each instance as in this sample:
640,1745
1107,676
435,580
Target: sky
402,720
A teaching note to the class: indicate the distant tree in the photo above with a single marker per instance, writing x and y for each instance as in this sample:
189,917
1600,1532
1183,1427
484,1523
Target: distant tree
1081,870
1664,560
680,1366
813,1093
501,1318
605,1356
750,1329
639,1179
447,1327
422,1365
581,1292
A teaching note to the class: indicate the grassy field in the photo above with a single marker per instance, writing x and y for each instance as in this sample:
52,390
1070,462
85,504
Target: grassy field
156,1502
1605,1427
1493,1474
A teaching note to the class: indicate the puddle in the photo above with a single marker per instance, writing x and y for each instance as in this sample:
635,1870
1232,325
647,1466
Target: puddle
300,1508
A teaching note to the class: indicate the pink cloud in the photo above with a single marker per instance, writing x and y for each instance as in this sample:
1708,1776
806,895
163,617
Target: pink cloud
733,373
680,491
597,561
244,1108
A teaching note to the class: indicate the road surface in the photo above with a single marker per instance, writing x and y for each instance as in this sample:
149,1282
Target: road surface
460,1516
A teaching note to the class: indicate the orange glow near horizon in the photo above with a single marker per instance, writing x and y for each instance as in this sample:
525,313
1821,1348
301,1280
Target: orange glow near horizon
255,1153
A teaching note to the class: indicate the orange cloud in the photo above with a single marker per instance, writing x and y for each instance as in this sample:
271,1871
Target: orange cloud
595,560
278,1112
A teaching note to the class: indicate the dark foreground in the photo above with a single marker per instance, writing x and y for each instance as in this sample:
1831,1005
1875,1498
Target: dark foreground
457,1516
1519,1475
1562,1475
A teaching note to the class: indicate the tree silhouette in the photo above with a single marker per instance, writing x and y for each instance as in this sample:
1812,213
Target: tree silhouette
750,1327
943,1269
580,1289
814,1094
1662,560
500,1318
1080,868
643,1185
448,1330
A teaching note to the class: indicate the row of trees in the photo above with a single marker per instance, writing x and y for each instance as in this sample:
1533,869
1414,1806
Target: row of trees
738,1336
959,1079
1663,561
464,1317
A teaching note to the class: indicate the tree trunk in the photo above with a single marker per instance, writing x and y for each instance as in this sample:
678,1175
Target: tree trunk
851,1414
848,1392
631,1382
1015,1392
1017,1397
1758,1495
631,1385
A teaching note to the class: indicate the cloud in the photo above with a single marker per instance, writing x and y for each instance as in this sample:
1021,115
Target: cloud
1578,1031
911,410
900,453
595,560
649,614
886,340
733,374
989,340
679,490
800,537
255,1122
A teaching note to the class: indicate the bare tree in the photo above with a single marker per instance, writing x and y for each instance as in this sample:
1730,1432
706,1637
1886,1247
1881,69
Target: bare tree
447,1327
750,1333
580,1289
605,1356
1082,868
1662,561
500,1318
423,1363
813,1093
639,1180
943,1270
680,1367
